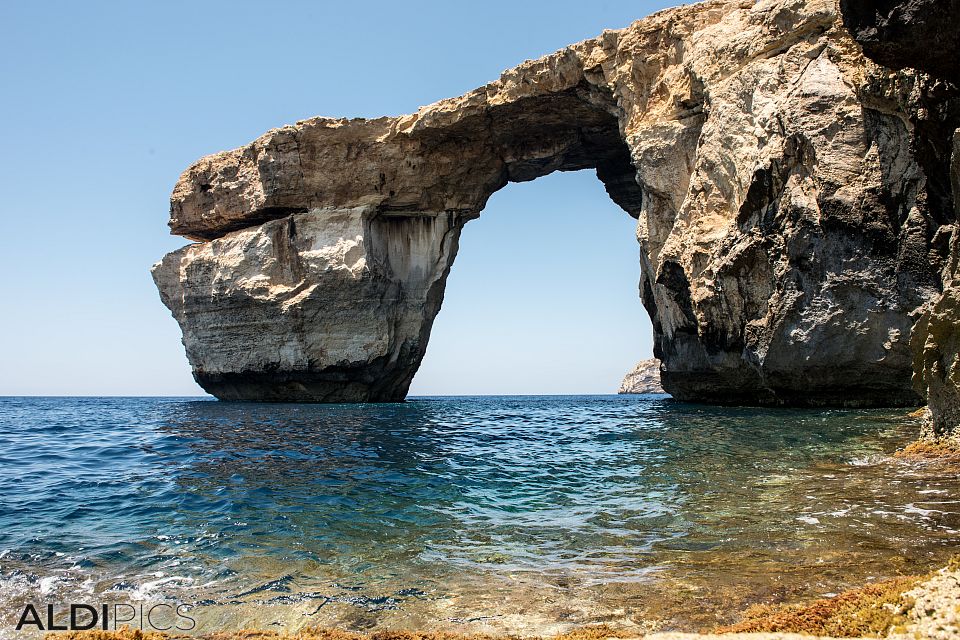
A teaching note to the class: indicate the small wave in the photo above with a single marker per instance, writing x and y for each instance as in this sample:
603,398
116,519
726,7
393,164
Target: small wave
149,590
912,508
280,584
870,460
47,585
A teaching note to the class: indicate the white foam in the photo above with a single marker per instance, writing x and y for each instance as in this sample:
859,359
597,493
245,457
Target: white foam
47,585
911,508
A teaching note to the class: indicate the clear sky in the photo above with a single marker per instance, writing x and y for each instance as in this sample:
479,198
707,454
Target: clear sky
105,103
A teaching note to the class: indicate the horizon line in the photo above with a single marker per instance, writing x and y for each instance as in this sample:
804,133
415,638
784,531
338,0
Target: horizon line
444,395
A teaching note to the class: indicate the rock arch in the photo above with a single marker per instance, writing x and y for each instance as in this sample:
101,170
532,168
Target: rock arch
786,243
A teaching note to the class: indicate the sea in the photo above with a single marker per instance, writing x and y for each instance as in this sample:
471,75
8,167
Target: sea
527,515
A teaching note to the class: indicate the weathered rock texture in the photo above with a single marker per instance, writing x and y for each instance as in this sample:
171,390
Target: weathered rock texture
329,305
922,34
787,229
925,34
936,342
932,608
644,378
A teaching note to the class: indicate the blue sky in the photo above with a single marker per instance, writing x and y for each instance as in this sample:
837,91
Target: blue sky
105,103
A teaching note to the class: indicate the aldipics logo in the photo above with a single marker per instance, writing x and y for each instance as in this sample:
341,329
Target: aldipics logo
106,616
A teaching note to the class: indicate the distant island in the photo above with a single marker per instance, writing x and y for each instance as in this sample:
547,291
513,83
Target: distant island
643,378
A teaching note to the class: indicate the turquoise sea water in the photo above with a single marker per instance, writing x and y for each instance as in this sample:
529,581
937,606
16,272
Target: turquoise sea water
522,514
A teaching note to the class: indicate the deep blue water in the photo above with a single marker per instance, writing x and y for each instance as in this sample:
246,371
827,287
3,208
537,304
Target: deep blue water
517,511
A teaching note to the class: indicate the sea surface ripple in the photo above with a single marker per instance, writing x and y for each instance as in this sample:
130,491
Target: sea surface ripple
526,513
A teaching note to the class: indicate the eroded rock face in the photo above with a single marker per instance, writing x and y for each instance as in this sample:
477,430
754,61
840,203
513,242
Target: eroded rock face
644,378
925,34
936,339
332,305
787,236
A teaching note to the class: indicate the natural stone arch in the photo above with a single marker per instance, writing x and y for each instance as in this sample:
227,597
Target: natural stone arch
381,264
785,244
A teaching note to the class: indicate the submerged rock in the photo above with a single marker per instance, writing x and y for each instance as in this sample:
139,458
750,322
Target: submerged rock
644,378
787,229
925,34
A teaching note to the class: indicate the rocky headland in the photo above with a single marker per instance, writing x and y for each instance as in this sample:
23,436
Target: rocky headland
644,378
793,226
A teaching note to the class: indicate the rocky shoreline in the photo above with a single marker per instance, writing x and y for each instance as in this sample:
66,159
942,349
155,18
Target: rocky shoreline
906,608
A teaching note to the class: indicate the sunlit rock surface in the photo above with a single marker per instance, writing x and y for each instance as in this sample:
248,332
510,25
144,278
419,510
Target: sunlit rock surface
332,305
786,228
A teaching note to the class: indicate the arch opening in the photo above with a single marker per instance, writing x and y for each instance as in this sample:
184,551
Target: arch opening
542,298
562,135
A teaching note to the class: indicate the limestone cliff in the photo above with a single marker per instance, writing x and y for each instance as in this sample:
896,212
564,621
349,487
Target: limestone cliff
925,34
643,378
787,229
